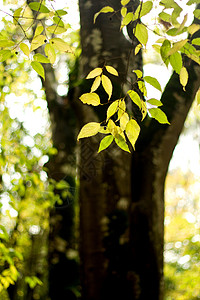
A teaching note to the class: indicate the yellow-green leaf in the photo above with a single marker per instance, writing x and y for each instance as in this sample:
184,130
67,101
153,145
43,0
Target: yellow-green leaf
105,9
123,11
124,120
141,33
176,62
177,46
60,45
135,97
96,84
94,73
107,85
137,48
6,43
124,2
55,29
153,81
50,53
155,102
132,132
104,130
4,55
112,109
16,15
39,29
198,97
89,129
105,143
121,143
90,99
38,6
127,19
38,68
138,73
41,58
112,128
25,49
183,77
142,87
159,115
122,108
37,42
112,70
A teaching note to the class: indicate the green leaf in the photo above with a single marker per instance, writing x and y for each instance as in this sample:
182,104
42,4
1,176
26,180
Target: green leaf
121,143
112,70
37,42
61,12
138,73
156,102
166,46
135,97
124,2
90,99
105,142
142,87
137,48
176,62
159,115
39,30
96,84
39,7
141,33
123,121
16,15
132,132
127,19
60,45
25,49
183,77
41,58
177,46
105,9
89,129
144,10
123,11
122,108
58,21
107,85
55,29
197,13
112,109
6,43
50,53
190,2
4,55
153,81
165,17
198,97
196,41
38,68
94,73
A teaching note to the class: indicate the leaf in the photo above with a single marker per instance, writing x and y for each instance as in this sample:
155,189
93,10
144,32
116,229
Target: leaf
141,33
121,143
193,28
183,77
190,2
127,19
41,58
50,53
39,7
112,128
155,102
135,97
4,55
39,29
16,15
55,29
112,109
25,49
105,142
159,115
60,45
123,11
112,70
124,2
104,130
164,49
177,46
198,97
176,62
144,10
138,73
142,87
6,43
107,85
38,68
144,109
122,108
58,21
132,132
197,13
90,99
90,129
61,12
96,84
137,48
37,42
153,81
196,41
105,9
124,120
94,73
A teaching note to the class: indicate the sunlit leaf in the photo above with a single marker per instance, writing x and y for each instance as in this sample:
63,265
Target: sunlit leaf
177,46
137,48
41,58
155,102
90,99
38,6
4,55
127,19
176,62
50,53
58,21
61,12
94,73
38,68
16,15
112,109
123,11
164,50
143,109
107,85
124,2
142,87
196,41
39,29
159,115
6,43
138,73
135,97
122,108
183,77
37,42
124,120
90,129
132,132
141,33
198,96
112,70
25,49
144,10
153,81
96,84
60,45
105,9
121,143
105,142
55,29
